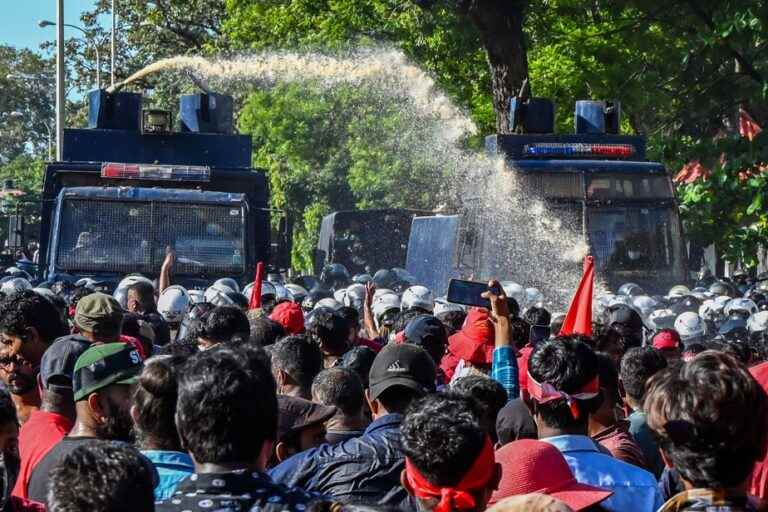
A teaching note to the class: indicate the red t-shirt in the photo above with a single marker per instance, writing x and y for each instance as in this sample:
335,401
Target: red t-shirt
759,482
37,436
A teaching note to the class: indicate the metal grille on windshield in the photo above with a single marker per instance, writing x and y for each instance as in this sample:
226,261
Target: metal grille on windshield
112,236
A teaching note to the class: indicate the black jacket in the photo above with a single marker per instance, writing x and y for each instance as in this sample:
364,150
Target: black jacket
363,470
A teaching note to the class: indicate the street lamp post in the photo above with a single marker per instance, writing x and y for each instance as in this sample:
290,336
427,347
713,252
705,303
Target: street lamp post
46,23
60,99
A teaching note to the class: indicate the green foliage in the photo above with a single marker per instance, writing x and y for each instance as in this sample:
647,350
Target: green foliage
327,150
728,208
26,102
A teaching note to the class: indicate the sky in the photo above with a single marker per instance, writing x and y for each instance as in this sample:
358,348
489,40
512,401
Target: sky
18,22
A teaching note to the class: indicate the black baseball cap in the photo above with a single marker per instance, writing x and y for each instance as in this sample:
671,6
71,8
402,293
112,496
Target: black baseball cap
405,365
423,329
58,363
295,414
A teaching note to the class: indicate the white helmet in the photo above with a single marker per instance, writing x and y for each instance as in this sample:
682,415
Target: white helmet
227,282
383,304
758,322
282,294
121,292
644,304
267,288
744,306
533,298
355,296
443,306
297,292
328,303
15,284
196,296
173,303
381,292
339,295
722,299
630,289
678,291
514,291
45,293
690,326
418,297
86,282
661,319
712,311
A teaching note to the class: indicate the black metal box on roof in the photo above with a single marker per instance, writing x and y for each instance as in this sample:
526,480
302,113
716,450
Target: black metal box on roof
211,149
206,113
116,111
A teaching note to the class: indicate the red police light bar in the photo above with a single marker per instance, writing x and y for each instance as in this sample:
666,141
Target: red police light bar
578,149
156,172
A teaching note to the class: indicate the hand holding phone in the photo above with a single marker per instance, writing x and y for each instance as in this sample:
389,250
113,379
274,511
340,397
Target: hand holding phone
471,293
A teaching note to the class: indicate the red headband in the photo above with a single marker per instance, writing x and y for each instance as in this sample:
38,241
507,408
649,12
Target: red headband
546,392
457,497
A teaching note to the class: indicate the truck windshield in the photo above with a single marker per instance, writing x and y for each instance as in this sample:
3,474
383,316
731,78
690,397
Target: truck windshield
631,238
98,235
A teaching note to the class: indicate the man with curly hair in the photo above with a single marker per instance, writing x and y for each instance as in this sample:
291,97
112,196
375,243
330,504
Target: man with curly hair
29,323
711,418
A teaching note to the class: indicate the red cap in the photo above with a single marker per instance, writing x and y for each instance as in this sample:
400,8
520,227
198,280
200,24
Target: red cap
475,341
666,340
290,316
529,466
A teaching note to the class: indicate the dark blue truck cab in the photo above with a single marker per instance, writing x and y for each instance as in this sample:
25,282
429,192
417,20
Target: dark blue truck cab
129,188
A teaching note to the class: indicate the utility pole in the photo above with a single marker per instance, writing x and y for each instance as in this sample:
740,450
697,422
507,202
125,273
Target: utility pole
60,99
112,68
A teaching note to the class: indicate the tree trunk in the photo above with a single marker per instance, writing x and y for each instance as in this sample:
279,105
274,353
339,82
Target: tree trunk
500,23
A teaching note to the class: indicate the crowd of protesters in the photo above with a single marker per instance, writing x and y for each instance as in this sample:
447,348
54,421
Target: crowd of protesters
367,393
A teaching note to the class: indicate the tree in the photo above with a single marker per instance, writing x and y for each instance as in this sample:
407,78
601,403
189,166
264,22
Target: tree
26,104
335,149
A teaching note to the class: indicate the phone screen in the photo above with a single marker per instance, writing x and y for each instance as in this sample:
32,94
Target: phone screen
468,293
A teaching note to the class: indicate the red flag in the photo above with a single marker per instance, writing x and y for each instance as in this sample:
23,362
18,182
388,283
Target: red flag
691,172
748,128
579,317
255,302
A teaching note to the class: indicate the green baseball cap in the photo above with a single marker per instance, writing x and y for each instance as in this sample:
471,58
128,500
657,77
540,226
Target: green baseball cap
100,314
103,365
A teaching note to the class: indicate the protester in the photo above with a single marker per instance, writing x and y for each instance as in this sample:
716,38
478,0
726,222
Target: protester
295,363
101,384
359,360
264,331
529,466
668,343
226,416
564,389
102,476
56,416
488,396
330,331
530,503
300,425
153,413
711,417
223,324
429,333
638,365
471,347
342,389
515,422
141,301
449,463
605,425
290,316
367,469
98,318
28,325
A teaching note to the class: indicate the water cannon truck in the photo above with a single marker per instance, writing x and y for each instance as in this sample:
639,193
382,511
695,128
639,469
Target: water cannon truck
599,183
129,187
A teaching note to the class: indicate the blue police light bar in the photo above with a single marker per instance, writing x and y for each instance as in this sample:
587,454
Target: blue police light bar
156,172
563,149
